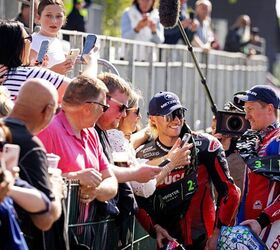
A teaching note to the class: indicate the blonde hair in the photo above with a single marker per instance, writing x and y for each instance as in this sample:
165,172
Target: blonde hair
115,83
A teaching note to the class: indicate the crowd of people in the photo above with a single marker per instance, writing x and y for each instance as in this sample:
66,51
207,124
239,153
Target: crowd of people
141,22
180,191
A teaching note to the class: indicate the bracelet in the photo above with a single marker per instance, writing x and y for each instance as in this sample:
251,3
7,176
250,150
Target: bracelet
166,169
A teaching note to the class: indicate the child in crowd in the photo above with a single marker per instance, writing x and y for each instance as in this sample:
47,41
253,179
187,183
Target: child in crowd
51,15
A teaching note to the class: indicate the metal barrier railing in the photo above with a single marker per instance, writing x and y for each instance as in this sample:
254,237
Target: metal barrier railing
88,231
159,67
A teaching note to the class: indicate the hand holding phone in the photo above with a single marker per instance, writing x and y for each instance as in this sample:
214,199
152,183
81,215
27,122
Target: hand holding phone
73,54
42,52
89,45
191,14
185,139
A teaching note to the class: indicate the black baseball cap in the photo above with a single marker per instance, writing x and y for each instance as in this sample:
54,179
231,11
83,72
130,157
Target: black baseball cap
262,93
163,103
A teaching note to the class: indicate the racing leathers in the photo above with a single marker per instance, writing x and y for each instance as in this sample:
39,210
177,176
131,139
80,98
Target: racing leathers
199,214
261,199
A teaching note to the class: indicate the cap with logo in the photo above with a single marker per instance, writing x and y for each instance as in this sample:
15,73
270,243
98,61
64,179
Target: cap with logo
163,103
262,93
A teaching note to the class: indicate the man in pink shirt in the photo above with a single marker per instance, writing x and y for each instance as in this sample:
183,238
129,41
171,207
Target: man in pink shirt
72,136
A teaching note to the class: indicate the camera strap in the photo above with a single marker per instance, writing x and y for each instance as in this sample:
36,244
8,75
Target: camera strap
269,166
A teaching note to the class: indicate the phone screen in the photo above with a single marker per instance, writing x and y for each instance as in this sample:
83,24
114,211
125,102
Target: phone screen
185,139
43,50
191,15
89,44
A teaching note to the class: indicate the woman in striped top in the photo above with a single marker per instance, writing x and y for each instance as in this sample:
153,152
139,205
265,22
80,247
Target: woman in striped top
14,61
14,54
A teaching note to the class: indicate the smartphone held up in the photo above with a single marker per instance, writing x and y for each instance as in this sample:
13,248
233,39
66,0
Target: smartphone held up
10,156
88,46
186,138
42,52
73,54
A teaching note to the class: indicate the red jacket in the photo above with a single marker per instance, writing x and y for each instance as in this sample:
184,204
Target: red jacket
262,195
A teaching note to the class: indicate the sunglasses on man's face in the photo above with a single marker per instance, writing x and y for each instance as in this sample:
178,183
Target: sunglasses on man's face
134,110
122,106
179,113
104,106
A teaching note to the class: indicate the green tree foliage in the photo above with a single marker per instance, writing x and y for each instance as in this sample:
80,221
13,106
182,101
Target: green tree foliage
113,10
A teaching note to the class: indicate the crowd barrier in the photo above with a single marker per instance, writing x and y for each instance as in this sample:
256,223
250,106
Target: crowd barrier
88,231
152,68
158,67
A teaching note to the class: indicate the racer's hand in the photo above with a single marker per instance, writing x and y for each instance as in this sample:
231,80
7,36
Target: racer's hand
253,224
161,235
180,156
212,242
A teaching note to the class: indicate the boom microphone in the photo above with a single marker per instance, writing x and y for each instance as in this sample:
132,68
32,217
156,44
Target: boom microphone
169,13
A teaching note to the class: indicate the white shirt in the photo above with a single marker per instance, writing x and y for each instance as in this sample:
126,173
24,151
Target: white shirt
55,52
120,144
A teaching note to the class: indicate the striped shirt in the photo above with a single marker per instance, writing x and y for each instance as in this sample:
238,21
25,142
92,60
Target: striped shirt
17,76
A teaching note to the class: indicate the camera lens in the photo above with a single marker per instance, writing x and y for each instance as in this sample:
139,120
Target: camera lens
234,123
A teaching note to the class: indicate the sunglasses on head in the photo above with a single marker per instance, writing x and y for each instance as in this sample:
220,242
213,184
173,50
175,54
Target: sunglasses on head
122,106
134,110
180,113
104,106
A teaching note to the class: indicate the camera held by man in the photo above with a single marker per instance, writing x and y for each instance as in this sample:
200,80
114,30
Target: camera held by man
231,121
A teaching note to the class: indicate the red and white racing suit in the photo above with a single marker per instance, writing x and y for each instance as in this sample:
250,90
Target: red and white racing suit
261,199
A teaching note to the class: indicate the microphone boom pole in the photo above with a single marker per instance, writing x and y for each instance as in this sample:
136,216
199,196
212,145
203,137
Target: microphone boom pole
203,79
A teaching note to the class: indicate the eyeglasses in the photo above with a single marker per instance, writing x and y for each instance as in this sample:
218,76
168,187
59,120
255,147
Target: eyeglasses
104,106
122,106
134,110
29,38
180,113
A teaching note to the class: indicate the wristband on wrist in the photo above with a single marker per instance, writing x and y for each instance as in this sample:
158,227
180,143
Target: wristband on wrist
263,220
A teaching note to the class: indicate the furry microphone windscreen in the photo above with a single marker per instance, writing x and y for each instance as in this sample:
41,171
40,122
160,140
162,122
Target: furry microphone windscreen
169,12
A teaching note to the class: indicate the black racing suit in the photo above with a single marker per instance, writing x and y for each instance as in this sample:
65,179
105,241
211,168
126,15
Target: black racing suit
195,217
